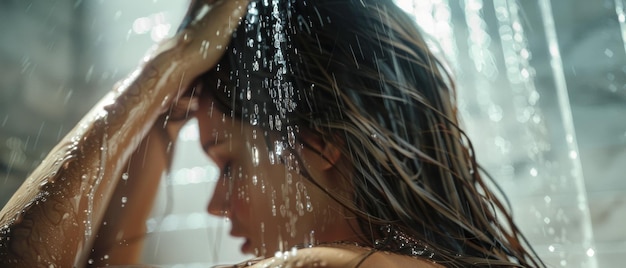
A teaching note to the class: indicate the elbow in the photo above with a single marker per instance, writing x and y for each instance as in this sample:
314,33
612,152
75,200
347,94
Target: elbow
17,249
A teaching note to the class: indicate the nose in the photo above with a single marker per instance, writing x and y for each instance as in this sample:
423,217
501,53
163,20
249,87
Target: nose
219,205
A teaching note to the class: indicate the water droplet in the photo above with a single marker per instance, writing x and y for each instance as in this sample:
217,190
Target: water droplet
278,148
254,119
312,241
278,123
291,137
309,206
204,48
591,252
300,208
272,158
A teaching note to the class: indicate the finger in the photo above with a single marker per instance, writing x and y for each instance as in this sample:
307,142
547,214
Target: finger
198,47
208,32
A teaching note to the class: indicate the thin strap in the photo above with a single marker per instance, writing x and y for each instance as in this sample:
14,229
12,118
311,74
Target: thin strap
369,254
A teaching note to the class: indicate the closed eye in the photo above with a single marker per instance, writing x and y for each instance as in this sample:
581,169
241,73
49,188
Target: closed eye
227,171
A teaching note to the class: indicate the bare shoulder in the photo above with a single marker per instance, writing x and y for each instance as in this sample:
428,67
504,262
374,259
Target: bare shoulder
343,256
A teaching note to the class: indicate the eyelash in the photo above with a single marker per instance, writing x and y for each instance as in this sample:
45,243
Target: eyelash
227,172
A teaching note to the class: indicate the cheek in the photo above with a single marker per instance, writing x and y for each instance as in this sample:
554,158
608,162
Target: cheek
274,194
259,198
251,198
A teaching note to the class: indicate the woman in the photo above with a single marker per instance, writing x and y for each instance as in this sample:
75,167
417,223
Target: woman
335,131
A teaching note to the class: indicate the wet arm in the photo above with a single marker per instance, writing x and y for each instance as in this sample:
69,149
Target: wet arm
52,219
120,237
122,231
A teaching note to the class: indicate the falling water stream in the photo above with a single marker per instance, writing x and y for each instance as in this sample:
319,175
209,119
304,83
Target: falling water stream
621,17
522,90
568,124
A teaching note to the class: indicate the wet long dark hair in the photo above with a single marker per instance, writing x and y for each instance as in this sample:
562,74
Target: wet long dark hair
359,75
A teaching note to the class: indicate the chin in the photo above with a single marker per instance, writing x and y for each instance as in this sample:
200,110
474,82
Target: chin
246,247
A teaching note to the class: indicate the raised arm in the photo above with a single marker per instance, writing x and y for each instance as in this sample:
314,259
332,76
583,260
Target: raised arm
52,219
122,231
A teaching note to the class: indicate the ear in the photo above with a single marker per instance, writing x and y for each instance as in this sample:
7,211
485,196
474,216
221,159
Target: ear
327,165
320,154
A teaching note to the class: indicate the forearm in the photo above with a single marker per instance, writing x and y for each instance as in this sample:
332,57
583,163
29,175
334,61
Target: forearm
120,238
52,218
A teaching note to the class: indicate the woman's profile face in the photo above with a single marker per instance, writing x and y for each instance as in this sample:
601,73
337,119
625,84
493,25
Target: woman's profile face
260,188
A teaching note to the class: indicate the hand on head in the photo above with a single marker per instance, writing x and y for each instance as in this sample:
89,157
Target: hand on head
198,45
195,49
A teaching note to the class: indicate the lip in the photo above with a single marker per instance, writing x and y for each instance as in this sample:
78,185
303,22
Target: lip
246,247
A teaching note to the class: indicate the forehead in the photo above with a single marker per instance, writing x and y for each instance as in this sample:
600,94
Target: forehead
214,121
216,124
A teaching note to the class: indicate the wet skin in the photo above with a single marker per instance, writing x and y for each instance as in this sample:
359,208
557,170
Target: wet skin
270,205
53,218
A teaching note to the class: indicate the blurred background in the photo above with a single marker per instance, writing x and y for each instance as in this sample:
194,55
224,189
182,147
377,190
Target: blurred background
542,93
